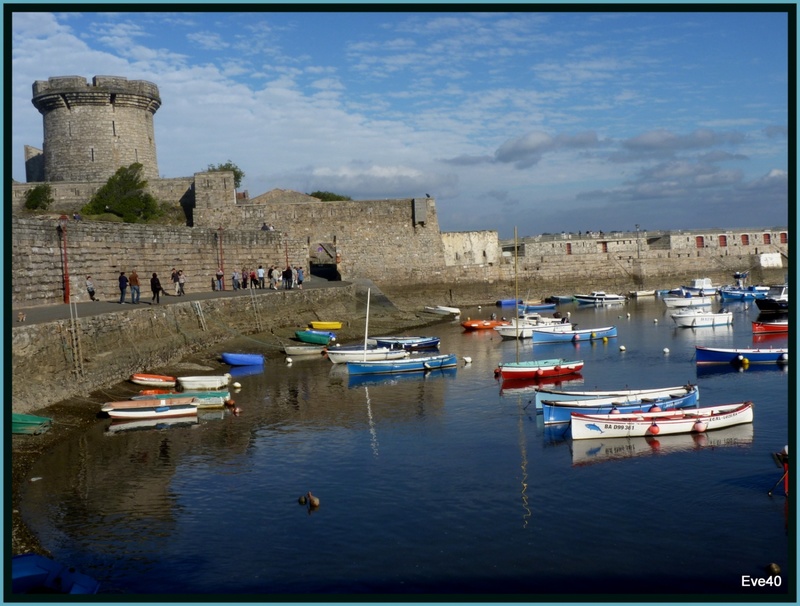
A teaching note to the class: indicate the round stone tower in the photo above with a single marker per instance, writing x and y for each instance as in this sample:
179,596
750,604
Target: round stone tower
91,130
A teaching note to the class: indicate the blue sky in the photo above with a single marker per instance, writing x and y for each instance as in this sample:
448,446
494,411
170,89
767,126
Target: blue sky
545,121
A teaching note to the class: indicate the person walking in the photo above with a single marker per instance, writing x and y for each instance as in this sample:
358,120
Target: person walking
123,286
300,278
181,282
155,286
175,284
90,288
133,282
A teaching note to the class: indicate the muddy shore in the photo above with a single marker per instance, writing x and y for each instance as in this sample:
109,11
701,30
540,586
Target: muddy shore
73,416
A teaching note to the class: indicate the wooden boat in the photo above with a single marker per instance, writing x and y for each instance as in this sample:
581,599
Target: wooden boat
697,318
697,420
169,409
442,310
148,380
204,381
554,412
325,325
315,336
412,364
741,356
341,355
32,573
600,297
29,424
206,399
407,343
533,369
148,403
242,359
775,301
599,450
304,350
773,327
543,335
622,395
688,301
483,324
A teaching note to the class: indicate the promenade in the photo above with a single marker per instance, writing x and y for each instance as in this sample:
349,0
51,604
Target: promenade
108,304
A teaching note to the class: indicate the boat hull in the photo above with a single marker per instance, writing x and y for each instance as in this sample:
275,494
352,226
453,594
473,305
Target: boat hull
204,382
204,398
697,420
483,324
688,301
148,380
771,327
526,332
407,343
623,395
325,325
242,359
315,337
537,369
419,364
29,424
354,355
699,320
716,355
168,411
33,573
588,334
303,350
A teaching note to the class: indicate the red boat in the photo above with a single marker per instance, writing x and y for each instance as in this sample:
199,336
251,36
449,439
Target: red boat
483,324
537,369
147,380
775,326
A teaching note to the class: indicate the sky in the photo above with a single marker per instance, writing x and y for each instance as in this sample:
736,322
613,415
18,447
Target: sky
540,121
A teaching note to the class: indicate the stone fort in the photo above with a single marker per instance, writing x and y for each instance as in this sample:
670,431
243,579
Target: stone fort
91,129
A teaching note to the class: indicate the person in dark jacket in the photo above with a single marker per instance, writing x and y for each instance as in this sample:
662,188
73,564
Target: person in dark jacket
123,286
155,286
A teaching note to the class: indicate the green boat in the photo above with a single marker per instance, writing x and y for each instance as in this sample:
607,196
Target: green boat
317,337
29,424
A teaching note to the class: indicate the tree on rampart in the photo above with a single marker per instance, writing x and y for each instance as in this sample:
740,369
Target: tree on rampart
123,195
39,197
238,173
327,196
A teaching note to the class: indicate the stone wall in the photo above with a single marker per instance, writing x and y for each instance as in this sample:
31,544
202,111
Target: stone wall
48,366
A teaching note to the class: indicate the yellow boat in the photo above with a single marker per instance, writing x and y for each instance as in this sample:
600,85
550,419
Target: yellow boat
325,325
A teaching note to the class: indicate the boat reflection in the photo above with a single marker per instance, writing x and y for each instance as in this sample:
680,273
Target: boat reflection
403,377
778,339
510,387
246,371
151,424
588,452
709,370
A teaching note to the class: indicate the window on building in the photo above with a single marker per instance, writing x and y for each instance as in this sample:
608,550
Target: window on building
745,240
723,240
767,239
784,238
569,248
699,241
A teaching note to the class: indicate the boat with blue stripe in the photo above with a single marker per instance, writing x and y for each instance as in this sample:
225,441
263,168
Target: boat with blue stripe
412,364
586,334
741,356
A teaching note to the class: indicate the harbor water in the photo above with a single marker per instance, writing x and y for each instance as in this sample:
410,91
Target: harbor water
438,483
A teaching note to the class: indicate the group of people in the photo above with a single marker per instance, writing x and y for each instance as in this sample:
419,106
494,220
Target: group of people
290,277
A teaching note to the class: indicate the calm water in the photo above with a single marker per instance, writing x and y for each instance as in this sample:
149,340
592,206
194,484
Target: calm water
441,484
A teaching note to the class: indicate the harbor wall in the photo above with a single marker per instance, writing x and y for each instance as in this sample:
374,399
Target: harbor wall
53,361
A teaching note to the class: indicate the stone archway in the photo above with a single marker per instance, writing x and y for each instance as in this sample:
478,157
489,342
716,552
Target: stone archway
322,260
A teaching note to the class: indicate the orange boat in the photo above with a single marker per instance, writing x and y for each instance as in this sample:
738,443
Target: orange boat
483,324
141,378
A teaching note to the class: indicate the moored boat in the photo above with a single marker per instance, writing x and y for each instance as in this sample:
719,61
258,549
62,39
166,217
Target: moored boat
29,424
316,337
149,380
204,381
621,395
554,412
688,301
325,325
741,356
407,343
32,573
341,355
776,300
206,399
701,287
412,364
600,297
483,324
532,369
142,403
442,310
772,327
696,420
242,359
507,302
154,412
529,306
526,331
642,293
543,335
558,299
303,350
697,318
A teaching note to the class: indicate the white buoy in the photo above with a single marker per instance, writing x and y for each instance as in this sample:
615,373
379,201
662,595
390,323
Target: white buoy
655,321
666,350
479,306
622,348
467,360
237,385
628,315
288,360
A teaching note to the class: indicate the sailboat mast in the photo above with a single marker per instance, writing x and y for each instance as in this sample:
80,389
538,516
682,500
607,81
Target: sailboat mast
366,326
516,294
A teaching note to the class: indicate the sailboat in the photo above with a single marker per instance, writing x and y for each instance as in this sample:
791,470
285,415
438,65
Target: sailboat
533,369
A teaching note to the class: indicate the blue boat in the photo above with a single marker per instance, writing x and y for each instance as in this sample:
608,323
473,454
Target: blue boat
741,356
560,411
32,573
242,359
586,334
508,302
531,307
414,364
748,293
407,343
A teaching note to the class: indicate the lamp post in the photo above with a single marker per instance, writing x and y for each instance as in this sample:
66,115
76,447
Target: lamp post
221,257
63,220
